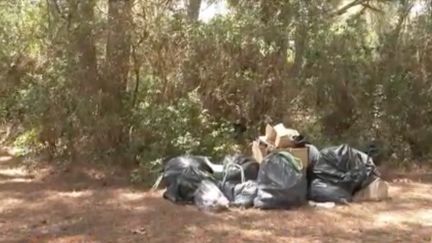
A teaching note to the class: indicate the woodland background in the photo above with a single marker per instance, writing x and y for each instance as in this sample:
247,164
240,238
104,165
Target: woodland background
130,82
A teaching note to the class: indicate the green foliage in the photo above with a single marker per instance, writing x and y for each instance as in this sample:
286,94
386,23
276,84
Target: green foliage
338,76
177,128
26,142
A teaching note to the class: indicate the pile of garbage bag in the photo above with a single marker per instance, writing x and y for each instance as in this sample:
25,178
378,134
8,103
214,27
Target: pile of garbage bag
278,179
195,179
240,193
182,176
281,182
339,173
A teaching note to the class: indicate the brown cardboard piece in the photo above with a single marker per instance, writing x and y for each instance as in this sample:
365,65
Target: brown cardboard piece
279,138
270,134
301,153
284,136
259,151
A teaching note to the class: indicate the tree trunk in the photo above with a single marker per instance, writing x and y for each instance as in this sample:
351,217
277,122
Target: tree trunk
300,37
118,47
189,69
83,45
79,48
118,50
193,9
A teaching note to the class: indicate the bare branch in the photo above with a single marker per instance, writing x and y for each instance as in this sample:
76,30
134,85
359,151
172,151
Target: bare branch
57,7
368,6
345,8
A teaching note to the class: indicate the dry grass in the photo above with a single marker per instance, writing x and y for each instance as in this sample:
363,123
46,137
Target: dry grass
84,206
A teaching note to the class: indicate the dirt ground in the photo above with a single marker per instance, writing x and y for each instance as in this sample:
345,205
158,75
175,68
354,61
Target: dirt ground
85,205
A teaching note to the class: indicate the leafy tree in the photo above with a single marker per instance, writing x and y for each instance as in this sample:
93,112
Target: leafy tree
139,80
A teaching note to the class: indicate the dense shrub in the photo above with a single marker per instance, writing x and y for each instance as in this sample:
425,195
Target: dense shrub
136,83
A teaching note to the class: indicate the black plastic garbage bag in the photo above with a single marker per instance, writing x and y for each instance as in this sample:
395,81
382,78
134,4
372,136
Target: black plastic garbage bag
209,197
314,154
183,186
240,193
339,173
300,141
281,182
321,191
249,166
176,166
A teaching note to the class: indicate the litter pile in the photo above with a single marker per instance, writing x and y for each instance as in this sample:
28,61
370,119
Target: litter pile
285,171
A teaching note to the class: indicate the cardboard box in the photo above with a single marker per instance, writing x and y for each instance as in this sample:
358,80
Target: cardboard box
270,134
259,151
284,136
279,136
301,153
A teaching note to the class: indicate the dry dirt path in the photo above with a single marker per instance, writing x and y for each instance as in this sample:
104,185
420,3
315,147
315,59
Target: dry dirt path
83,206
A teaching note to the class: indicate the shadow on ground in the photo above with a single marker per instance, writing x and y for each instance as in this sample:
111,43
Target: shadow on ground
75,206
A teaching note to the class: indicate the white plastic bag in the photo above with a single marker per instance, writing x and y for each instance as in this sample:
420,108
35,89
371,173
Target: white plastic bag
208,197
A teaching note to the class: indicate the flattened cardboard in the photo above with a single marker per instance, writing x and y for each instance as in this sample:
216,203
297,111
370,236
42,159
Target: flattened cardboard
301,153
284,136
260,151
270,134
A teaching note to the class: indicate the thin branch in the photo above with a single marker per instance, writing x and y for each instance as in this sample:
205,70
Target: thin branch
368,6
364,3
404,12
137,76
137,68
360,13
345,8
57,7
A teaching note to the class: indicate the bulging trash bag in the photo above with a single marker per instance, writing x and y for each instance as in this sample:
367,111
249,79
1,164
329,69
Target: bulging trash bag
314,154
248,165
182,187
340,172
240,194
208,197
281,182
321,191
175,167
244,194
